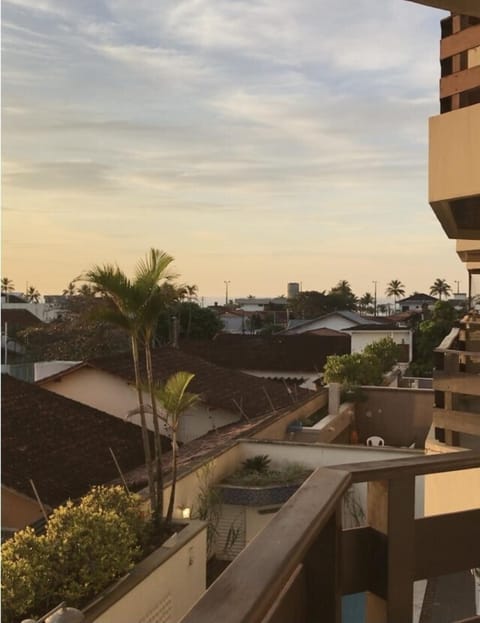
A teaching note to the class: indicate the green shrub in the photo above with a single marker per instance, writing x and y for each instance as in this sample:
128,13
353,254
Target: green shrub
25,574
85,547
259,463
385,350
285,474
354,369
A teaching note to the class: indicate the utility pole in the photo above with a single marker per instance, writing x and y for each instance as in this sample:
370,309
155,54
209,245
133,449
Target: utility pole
226,291
375,300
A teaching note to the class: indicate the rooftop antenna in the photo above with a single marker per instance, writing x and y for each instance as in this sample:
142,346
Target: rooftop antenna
40,503
117,465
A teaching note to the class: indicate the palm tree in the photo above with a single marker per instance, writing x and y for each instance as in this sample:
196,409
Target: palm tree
32,294
440,288
7,286
137,304
175,400
395,288
191,296
70,290
366,301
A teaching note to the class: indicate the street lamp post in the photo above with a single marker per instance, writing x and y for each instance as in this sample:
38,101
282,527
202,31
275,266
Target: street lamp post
226,291
375,300
458,286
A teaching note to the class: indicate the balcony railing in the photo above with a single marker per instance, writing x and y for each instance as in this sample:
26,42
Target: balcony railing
297,569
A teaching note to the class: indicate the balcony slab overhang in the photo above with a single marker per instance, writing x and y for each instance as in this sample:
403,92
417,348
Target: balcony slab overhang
464,7
454,166
469,250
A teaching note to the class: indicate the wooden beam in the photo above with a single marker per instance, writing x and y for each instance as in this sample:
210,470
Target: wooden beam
418,466
461,383
460,421
447,543
364,561
322,568
401,549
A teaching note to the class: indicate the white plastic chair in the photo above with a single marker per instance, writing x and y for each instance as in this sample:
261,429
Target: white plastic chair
374,440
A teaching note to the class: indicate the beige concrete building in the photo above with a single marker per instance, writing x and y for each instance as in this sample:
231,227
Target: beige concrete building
454,194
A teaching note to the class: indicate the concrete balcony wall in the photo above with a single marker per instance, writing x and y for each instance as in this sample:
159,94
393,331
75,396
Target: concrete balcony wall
468,250
454,165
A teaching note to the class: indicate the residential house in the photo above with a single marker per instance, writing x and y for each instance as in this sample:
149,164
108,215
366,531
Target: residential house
108,383
417,302
43,311
337,320
13,321
60,447
365,334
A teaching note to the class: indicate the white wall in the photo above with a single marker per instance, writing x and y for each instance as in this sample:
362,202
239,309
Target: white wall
166,593
43,369
361,339
113,395
44,312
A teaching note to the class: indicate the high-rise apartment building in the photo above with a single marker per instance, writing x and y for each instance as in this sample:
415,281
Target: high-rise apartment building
454,194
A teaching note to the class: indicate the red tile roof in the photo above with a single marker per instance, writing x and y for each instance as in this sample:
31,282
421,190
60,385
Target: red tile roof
282,353
218,386
62,445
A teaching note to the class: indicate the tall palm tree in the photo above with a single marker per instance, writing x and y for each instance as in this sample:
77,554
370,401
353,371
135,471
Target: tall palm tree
440,288
149,272
175,400
7,287
137,304
32,294
395,288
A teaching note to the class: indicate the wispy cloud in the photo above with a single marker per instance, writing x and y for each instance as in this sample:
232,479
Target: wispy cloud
247,124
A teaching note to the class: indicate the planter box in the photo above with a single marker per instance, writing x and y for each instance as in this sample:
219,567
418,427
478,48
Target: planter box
241,495
151,591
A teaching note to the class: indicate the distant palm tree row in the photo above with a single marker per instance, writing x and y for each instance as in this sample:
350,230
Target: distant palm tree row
396,289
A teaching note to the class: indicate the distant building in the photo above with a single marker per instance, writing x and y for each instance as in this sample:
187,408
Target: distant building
418,301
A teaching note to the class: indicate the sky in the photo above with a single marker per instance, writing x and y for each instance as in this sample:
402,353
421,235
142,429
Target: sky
256,141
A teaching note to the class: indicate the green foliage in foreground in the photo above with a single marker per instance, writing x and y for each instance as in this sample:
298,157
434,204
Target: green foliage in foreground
365,368
85,547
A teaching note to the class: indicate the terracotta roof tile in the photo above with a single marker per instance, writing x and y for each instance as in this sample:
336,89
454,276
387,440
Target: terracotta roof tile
62,445
218,386
282,353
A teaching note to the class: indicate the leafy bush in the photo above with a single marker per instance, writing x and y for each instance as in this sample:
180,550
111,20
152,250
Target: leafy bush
355,369
385,350
85,547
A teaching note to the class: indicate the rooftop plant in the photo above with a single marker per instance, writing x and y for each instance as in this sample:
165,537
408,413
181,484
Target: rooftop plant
248,476
84,548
